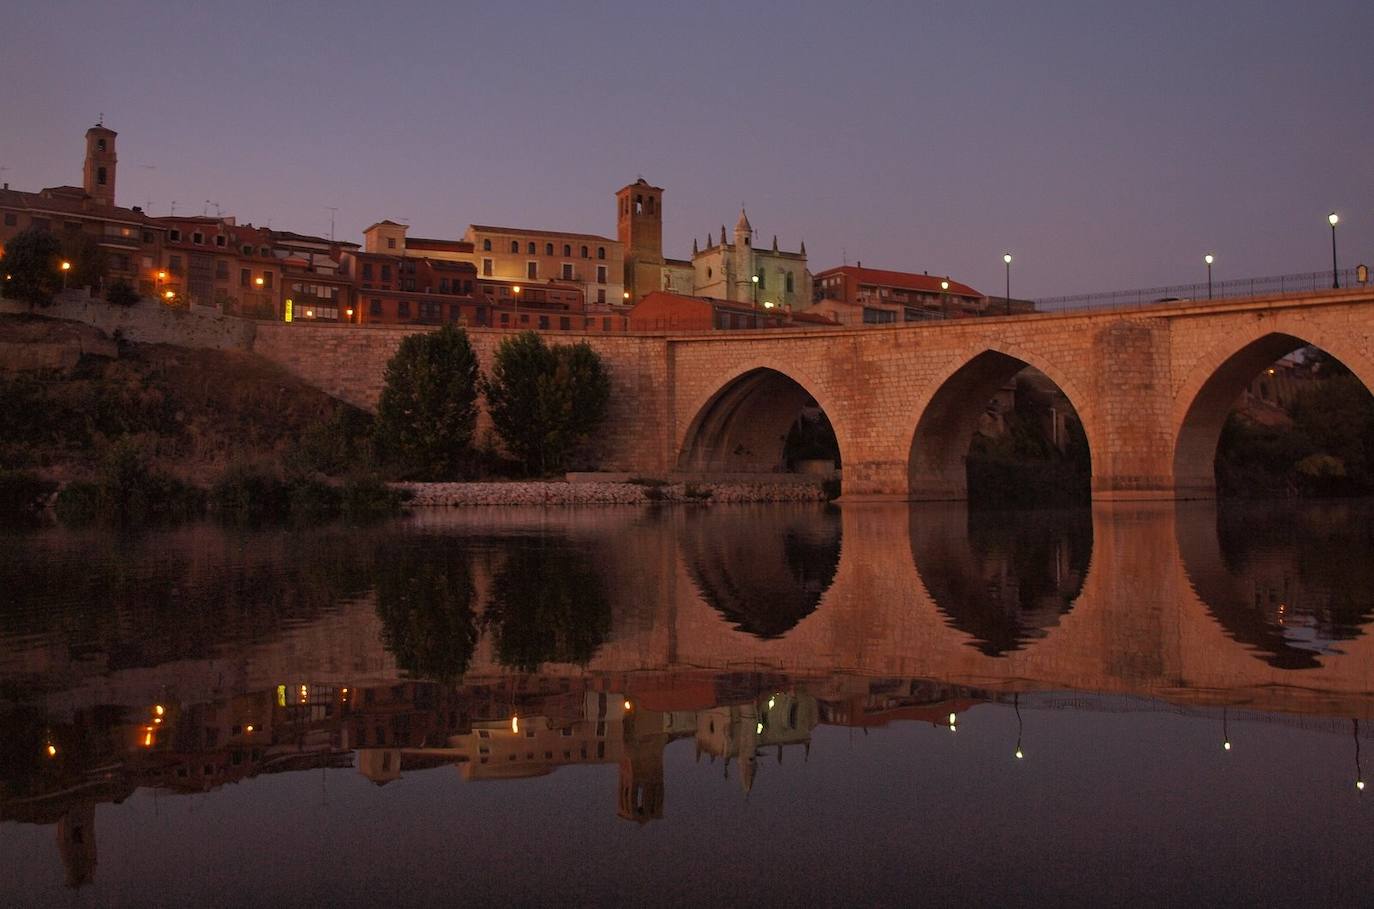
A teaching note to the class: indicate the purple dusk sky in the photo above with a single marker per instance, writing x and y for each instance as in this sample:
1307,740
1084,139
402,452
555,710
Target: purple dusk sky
1105,145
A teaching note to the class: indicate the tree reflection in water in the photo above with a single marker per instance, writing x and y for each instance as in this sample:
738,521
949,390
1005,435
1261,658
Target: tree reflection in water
548,604
763,569
425,601
1291,582
1004,578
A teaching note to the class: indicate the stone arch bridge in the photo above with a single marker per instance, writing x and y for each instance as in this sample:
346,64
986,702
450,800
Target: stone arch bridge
1152,386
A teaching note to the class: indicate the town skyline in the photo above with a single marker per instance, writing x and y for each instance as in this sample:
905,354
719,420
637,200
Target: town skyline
1255,192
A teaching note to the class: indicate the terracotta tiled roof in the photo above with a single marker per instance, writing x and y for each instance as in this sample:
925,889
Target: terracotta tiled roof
902,279
488,229
71,200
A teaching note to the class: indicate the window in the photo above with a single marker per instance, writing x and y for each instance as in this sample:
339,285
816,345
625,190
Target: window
267,279
544,322
515,246
147,236
486,268
532,271
198,238
567,249
264,252
601,274
505,318
789,282
375,308
247,250
367,271
606,324
174,235
243,277
431,312
10,219
390,242
639,205
584,253
99,144
443,285
386,272
601,252
567,271
486,245
100,175
174,264
403,309
220,240
564,323
601,296
548,249
221,270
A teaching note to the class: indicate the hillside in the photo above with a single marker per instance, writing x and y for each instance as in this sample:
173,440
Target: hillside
67,391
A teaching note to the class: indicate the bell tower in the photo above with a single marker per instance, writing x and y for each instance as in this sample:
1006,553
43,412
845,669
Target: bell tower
639,228
99,173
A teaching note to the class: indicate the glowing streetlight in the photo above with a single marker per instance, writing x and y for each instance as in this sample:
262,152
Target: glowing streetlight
67,266
258,281
168,295
626,295
1006,260
755,279
1209,259
514,723
944,297
1333,218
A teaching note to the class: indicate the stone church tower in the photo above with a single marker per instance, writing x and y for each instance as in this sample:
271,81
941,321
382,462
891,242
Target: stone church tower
743,265
639,228
99,173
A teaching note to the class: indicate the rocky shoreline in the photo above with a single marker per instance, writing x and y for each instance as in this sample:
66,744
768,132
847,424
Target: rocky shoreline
426,495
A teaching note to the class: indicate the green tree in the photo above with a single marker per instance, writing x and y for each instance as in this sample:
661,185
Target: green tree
545,401
30,267
428,407
89,262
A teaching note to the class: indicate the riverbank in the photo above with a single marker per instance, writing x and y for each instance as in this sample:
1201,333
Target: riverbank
438,495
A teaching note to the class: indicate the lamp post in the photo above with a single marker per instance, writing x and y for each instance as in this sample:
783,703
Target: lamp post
755,279
944,298
1006,259
161,276
67,266
1209,259
516,291
1335,275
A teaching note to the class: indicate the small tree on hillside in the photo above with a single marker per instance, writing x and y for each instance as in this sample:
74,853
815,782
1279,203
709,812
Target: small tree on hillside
545,401
121,293
88,260
428,408
30,267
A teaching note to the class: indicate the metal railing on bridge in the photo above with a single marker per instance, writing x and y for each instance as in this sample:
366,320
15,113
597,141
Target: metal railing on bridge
1275,285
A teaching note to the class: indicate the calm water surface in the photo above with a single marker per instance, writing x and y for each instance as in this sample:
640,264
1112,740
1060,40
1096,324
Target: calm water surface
1150,704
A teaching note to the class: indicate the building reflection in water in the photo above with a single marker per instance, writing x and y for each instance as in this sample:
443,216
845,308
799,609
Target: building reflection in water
508,655
1292,583
763,568
1004,578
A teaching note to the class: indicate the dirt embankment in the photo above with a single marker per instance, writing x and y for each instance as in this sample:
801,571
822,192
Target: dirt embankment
67,391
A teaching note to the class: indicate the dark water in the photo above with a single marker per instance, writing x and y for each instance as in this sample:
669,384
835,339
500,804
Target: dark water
1149,704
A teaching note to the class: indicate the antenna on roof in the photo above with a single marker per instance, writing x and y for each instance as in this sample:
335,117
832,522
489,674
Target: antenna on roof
332,210
174,209
100,120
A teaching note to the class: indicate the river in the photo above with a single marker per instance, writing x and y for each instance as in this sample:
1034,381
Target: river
1133,704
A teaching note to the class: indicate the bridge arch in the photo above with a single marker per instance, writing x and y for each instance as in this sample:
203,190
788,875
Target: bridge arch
948,413
742,426
1217,378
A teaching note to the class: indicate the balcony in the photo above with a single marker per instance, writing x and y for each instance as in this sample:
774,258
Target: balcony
119,242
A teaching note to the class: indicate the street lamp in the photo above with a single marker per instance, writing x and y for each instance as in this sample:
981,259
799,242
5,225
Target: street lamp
944,298
1209,259
516,290
67,266
1335,275
1006,259
755,279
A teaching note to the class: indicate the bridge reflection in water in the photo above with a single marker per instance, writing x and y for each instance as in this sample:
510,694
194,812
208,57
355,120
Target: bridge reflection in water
188,659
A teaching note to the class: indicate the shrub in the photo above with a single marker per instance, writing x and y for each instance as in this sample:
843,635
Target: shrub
545,401
128,490
121,293
428,407
341,444
23,496
30,267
